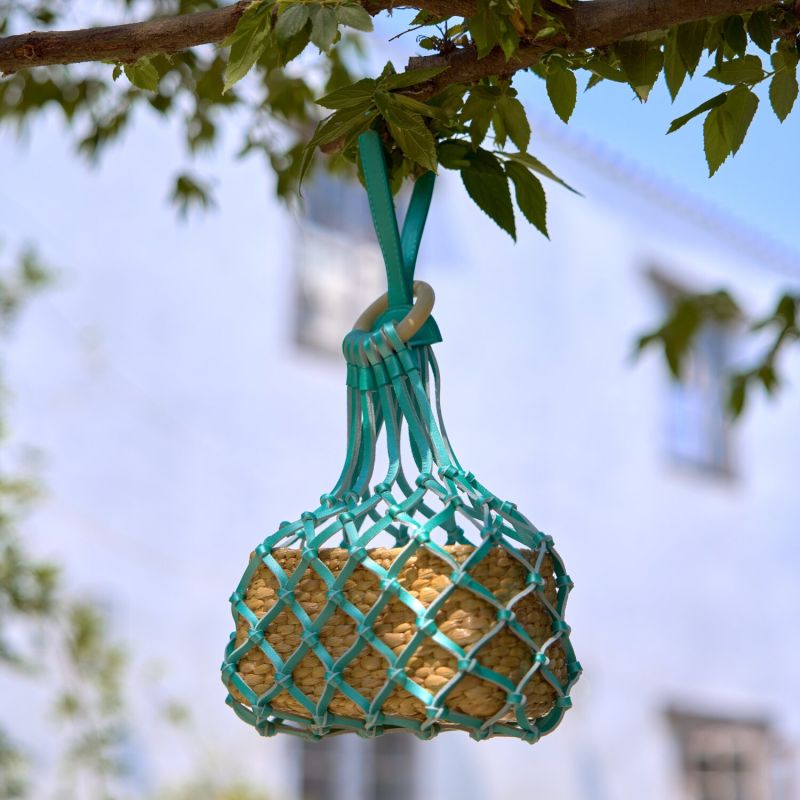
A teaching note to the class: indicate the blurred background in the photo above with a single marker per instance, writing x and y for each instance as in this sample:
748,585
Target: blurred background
174,388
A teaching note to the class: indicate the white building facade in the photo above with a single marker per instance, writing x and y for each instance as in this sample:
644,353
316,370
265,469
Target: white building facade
188,395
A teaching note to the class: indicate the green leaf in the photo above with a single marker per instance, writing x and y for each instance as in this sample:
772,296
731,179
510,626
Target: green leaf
526,9
768,377
454,153
450,100
485,27
481,100
735,35
356,94
674,68
562,89
533,163
292,20
478,128
593,81
323,27
759,26
642,62
354,16
530,195
603,69
500,134
737,114
479,108
281,53
247,42
189,192
716,144
342,124
786,310
487,185
747,69
691,41
514,120
738,395
789,50
417,107
714,102
783,87
143,75
412,77
409,131
509,38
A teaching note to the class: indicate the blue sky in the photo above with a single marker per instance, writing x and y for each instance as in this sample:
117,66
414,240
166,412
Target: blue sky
757,185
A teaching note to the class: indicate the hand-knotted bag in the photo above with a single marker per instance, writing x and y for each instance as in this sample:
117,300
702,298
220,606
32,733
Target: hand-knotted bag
457,626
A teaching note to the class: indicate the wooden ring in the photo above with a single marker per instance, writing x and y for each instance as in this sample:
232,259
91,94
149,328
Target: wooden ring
412,321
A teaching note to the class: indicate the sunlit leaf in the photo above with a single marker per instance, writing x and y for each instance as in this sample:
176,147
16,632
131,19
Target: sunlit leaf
759,26
515,120
530,195
678,123
354,16
747,69
143,74
487,184
716,145
247,42
562,89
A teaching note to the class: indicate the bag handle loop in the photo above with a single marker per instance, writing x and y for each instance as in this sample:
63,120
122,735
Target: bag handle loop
399,252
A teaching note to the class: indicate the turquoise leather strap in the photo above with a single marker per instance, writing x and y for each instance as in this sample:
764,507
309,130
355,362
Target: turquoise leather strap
384,218
414,224
399,251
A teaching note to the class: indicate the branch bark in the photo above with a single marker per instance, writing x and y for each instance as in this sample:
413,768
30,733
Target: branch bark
590,23
597,23
124,43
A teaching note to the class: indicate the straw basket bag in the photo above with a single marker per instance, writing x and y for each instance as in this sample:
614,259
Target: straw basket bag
459,623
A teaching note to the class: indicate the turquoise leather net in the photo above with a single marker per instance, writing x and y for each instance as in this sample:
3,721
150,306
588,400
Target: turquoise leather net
421,603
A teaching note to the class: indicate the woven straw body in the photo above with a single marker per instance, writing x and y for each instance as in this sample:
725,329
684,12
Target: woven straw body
464,617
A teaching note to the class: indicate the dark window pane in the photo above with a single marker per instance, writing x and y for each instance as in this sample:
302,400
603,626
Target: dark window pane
392,768
318,764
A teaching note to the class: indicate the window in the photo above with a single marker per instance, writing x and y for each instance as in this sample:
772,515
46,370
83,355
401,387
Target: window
320,764
339,268
697,430
725,758
350,768
392,759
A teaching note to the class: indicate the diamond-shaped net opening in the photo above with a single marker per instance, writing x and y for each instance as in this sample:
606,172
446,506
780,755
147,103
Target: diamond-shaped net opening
457,624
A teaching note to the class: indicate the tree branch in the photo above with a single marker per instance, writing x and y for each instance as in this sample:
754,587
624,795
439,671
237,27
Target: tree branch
597,23
590,23
602,22
124,43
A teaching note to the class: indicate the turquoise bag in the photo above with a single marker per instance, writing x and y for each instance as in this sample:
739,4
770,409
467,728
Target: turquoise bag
457,621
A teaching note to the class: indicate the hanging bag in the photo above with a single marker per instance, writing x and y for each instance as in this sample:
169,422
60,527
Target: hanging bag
458,624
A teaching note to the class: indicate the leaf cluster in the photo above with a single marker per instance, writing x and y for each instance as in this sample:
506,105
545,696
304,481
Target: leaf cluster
446,131
274,33
728,115
691,313
508,24
274,113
